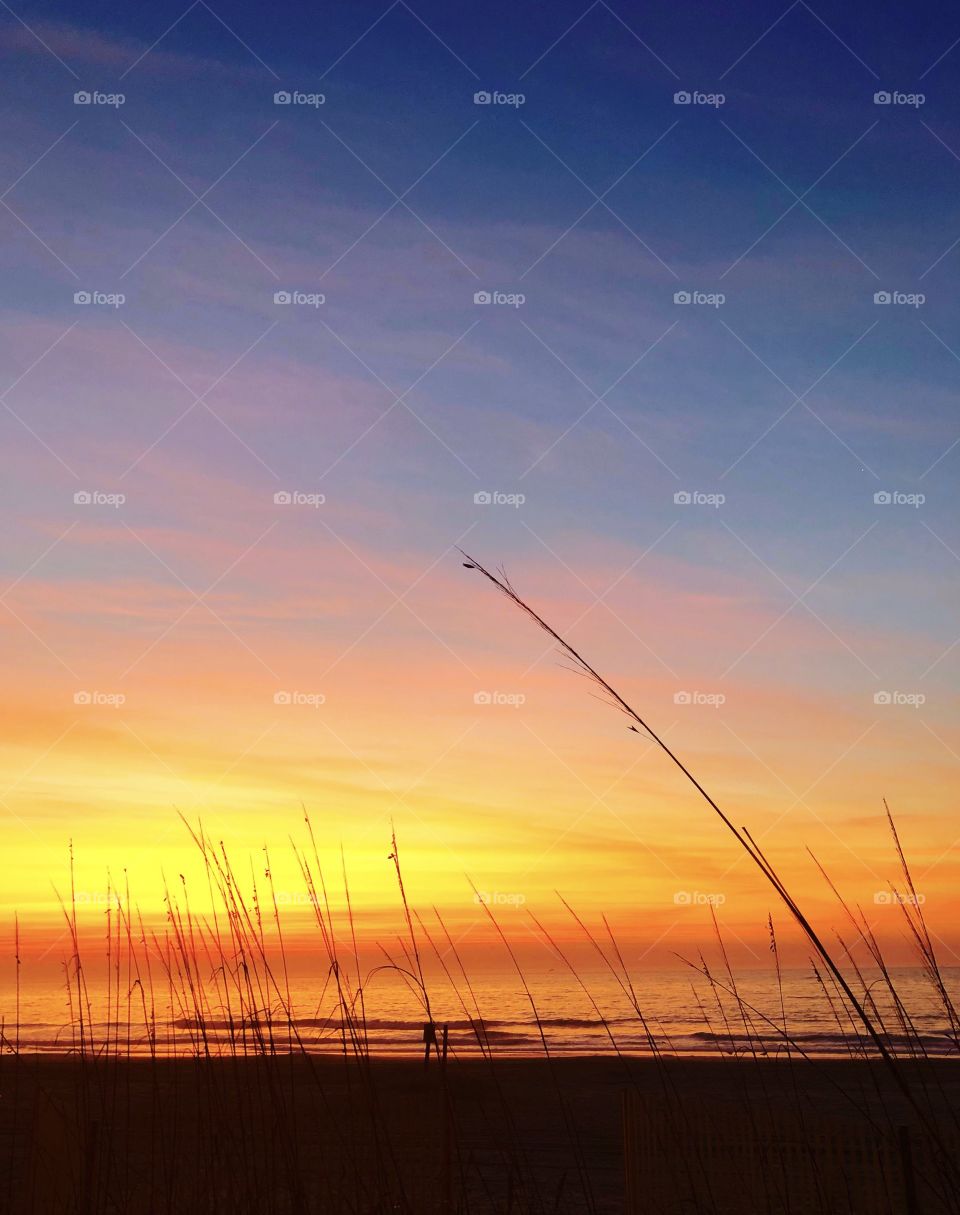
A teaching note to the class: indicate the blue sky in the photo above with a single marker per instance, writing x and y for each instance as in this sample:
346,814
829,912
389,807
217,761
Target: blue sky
598,398
703,210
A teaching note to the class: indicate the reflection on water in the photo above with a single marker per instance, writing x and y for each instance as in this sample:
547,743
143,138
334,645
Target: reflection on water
682,1012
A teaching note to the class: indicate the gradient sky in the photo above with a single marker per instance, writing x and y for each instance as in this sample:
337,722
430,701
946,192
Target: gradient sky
799,599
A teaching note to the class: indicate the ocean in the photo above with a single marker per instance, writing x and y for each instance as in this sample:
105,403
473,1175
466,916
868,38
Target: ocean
680,1012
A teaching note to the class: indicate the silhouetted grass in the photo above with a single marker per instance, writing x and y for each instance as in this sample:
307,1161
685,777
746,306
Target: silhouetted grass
261,1117
191,1082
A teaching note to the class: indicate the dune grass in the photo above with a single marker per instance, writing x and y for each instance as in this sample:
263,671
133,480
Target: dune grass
193,1082
214,989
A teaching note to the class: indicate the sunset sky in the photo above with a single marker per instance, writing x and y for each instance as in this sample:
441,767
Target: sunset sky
783,599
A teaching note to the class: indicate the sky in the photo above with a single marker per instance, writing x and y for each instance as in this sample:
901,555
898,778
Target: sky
653,306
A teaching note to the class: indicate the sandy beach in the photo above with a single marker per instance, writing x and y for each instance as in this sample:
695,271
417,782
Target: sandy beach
325,1134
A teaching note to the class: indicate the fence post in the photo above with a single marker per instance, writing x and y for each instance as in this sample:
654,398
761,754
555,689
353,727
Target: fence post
906,1164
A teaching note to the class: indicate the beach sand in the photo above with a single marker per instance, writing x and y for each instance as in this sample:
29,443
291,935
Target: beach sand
326,1134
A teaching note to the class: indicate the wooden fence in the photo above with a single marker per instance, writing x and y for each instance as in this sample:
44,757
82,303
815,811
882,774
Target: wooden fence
722,1160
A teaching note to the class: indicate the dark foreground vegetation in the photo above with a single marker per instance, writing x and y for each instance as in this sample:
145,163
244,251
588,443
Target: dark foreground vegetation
283,1134
255,1122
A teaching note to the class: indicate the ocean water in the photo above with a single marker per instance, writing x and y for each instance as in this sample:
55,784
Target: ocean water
680,1012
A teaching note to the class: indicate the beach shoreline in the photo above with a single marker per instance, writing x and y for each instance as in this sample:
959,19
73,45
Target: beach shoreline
246,1133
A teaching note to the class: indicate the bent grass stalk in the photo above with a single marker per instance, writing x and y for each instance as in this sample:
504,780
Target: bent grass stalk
743,837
